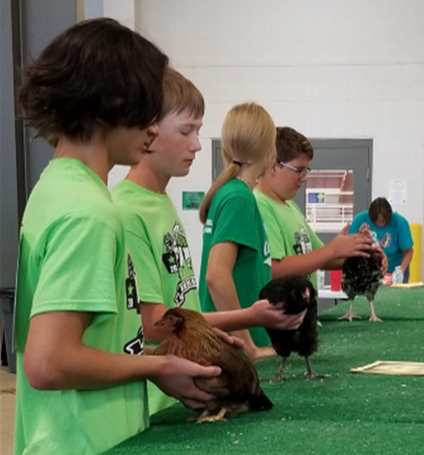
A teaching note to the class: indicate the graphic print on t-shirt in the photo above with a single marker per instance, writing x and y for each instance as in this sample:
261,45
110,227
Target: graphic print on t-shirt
136,345
177,259
386,240
302,242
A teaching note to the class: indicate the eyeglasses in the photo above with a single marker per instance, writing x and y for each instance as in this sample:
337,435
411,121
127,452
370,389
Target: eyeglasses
301,172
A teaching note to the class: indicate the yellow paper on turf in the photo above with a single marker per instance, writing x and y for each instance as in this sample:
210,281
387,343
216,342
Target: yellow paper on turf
392,368
407,285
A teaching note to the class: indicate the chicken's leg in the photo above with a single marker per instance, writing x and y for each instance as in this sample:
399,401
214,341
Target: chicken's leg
279,376
310,373
373,316
349,315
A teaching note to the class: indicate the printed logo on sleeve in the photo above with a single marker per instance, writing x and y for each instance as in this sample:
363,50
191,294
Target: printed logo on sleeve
136,345
131,287
208,227
267,249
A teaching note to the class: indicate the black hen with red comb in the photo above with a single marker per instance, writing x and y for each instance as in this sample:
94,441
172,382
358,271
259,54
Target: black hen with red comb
297,294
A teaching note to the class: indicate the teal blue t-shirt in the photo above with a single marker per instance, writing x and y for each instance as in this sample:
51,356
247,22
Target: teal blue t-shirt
394,238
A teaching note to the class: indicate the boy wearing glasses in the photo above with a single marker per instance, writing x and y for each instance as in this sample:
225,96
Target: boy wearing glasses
295,247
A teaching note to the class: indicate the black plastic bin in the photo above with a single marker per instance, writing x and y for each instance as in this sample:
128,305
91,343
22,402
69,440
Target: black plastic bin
7,301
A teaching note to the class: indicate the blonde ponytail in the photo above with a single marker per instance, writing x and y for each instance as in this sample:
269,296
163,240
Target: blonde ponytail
225,176
248,137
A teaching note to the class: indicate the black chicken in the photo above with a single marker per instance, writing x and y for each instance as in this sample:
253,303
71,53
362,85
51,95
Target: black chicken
237,388
361,276
298,294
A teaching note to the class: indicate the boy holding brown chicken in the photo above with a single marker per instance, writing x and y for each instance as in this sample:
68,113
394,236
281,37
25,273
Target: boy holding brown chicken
155,235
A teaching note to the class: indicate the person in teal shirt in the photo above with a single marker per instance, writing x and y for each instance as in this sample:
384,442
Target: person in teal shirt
295,247
81,371
236,260
155,234
392,232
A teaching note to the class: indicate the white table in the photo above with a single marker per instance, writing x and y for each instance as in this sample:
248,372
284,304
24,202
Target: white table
327,293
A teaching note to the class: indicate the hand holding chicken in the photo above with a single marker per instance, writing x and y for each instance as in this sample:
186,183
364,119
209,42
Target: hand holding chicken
237,388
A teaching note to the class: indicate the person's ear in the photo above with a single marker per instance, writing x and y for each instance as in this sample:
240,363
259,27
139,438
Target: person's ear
274,168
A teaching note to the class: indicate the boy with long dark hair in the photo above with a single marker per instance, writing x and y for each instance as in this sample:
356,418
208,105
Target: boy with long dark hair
94,93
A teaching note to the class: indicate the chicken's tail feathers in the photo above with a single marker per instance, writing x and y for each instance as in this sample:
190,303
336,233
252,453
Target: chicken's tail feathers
260,402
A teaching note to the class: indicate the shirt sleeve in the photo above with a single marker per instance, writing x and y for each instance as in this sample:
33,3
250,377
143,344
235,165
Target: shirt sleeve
77,260
275,237
405,236
146,268
234,223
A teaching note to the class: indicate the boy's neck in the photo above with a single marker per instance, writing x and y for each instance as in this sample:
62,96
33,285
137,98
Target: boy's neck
267,190
146,177
92,153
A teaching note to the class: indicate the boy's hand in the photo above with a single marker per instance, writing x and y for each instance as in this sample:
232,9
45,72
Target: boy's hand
347,245
236,342
176,379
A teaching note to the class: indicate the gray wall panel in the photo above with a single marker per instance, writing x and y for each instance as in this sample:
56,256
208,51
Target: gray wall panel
25,30
8,187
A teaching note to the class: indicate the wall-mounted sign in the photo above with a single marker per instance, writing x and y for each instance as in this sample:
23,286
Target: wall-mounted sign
316,198
192,199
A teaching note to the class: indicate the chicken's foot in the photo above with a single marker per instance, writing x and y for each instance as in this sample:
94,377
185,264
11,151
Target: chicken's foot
205,417
373,316
279,376
349,315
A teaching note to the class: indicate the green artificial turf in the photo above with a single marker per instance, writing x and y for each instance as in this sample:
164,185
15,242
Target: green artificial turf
343,414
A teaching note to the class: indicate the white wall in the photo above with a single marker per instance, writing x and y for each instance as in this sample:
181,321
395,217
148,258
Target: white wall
123,11
329,68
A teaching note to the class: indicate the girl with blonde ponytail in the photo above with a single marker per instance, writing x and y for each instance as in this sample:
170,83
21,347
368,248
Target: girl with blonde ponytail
236,261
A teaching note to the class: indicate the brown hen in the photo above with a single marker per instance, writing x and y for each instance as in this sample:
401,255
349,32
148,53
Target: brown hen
237,388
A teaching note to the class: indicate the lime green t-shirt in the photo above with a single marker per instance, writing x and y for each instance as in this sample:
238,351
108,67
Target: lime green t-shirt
73,257
158,245
289,233
234,217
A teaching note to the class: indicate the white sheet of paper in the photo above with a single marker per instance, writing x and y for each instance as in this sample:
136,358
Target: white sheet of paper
398,192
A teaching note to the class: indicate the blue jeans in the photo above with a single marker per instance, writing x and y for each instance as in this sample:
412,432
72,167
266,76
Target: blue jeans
406,275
